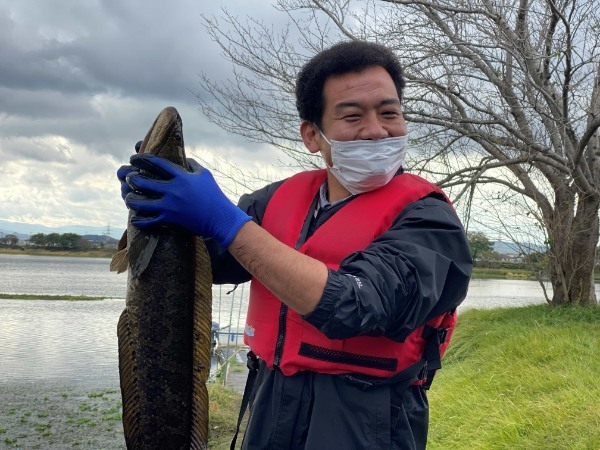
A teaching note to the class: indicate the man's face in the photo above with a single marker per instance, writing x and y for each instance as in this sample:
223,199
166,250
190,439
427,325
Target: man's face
360,105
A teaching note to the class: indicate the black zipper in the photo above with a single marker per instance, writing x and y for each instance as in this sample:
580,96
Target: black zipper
280,335
304,234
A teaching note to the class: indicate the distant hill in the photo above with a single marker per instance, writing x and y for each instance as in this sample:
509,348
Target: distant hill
96,238
24,230
507,248
99,234
19,235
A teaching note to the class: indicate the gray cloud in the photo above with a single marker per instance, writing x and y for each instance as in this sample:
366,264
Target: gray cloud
81,82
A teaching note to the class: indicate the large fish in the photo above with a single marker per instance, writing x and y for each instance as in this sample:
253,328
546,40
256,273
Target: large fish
165,330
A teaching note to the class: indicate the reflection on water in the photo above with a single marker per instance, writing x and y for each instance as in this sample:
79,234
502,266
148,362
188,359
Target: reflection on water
56,275
75,342
507,293
63,341
503,293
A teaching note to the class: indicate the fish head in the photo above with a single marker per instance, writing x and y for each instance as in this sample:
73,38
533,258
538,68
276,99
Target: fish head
165,137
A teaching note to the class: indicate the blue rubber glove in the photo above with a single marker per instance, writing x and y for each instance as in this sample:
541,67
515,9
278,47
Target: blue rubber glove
123,171
122,176
165,193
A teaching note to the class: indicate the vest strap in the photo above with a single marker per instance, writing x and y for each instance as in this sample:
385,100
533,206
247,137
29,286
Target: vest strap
408,376
424,369
435,337
252,364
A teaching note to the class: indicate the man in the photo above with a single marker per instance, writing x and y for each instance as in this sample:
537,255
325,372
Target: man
356,270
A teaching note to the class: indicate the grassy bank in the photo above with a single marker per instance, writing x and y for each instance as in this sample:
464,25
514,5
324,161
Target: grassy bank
523,378
516,272
94,253
502,274
480,273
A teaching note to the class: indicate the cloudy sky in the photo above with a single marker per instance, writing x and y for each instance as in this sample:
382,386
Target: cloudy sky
82,80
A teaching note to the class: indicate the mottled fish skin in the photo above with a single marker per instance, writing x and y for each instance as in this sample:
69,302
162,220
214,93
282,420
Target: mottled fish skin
164,331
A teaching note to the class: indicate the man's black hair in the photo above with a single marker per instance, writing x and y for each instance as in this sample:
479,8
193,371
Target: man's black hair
342,58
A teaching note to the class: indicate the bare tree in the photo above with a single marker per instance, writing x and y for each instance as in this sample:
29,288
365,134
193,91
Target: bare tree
10,240
503,98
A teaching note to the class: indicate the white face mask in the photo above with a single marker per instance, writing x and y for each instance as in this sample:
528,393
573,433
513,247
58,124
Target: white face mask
365,165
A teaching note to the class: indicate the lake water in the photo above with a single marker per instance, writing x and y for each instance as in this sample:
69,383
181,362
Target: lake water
75,342
53,275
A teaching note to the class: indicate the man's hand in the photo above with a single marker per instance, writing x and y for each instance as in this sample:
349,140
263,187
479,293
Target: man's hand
165,193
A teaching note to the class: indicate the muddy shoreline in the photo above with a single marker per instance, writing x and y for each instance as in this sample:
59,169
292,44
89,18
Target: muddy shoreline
54,416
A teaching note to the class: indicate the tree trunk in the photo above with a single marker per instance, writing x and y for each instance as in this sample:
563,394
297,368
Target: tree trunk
572,255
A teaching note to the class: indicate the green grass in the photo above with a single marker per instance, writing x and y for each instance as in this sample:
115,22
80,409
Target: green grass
85,422
114,413
514,271
42,427
502,273
224,406
524,378
96,395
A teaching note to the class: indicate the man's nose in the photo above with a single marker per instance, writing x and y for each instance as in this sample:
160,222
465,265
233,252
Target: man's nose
372,128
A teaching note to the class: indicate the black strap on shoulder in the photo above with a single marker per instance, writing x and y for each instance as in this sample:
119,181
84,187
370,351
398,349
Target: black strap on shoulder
252,363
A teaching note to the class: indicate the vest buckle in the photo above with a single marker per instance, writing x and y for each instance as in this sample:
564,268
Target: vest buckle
252,362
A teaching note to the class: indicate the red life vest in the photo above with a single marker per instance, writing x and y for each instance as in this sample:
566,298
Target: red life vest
279,335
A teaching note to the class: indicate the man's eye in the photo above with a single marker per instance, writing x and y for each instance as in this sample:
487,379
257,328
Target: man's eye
351,117
391,114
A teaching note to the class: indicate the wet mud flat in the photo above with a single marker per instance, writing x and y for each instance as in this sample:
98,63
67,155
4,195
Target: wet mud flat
52,416
57,416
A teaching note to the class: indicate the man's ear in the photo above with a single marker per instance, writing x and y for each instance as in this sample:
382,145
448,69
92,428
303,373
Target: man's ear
310,136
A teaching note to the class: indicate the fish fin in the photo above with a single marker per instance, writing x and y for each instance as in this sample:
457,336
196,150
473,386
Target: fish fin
140,251
123,241
128,379
202,337
119,261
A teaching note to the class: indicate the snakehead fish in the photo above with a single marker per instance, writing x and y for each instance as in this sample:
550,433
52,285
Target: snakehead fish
164,333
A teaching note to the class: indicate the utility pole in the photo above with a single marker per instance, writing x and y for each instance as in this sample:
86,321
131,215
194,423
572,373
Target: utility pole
107,230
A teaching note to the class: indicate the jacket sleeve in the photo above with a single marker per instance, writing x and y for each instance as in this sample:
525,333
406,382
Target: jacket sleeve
225,268
419,268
